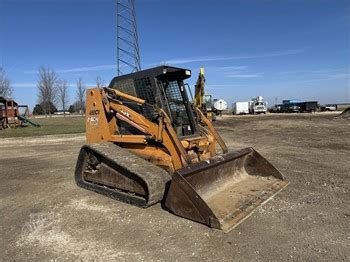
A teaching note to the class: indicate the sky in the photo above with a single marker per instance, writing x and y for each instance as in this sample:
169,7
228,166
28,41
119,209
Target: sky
280,49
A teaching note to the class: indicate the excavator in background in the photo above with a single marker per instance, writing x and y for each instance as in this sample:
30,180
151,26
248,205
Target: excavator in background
147,143
202,101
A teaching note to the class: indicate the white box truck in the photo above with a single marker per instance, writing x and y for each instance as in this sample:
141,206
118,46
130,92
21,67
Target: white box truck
240,108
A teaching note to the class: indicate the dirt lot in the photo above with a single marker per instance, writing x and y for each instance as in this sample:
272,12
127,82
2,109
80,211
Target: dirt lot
45,216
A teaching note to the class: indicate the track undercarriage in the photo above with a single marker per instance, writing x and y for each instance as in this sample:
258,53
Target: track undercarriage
115,172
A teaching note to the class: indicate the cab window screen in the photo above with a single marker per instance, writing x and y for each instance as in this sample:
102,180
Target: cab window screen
176,103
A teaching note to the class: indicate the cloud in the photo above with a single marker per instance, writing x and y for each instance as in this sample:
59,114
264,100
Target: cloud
237,72
79,69
307,72
86,69
226,58
219,86
231,68
31,85
243,75
187,60
31,72
316,75
21,85
320,78
339,76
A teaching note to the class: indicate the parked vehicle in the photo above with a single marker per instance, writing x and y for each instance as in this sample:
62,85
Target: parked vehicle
219,106
329,107
310,106
292,108
258,105
240,108
276,109
296,106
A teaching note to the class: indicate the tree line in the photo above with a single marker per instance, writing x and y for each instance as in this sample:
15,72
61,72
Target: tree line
5,85
52,92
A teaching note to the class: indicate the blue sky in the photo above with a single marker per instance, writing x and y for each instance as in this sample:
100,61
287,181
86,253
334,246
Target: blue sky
280,49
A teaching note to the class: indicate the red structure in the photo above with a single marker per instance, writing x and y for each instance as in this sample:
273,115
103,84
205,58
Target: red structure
9,113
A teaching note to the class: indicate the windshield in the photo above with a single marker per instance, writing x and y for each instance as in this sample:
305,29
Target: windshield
208,101
175,100
176,106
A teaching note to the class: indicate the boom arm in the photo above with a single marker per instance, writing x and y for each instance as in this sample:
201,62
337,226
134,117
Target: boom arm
199,89
105,110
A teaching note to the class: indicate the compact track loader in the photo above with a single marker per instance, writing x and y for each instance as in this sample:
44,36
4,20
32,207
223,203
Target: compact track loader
147,143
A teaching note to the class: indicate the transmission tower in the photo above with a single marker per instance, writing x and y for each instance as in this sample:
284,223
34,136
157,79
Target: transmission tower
128,52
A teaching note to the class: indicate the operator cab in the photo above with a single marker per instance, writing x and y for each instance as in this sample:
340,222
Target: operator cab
208,102
163,87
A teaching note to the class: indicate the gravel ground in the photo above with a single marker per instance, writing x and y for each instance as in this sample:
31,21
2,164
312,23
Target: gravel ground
45,216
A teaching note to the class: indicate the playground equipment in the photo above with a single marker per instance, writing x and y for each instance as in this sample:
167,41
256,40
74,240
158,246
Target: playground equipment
13,115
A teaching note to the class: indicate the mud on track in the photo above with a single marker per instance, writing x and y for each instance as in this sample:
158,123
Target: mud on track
45,216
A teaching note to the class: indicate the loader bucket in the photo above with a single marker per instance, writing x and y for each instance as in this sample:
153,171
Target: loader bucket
224,190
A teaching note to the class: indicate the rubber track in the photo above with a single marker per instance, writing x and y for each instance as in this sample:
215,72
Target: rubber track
153,176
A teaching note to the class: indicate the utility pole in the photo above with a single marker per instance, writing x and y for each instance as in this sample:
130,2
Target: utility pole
128,51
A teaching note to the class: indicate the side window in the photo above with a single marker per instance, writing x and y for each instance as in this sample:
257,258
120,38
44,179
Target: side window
144,89
126,86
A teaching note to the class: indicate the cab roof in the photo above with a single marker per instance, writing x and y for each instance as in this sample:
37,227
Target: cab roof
161,72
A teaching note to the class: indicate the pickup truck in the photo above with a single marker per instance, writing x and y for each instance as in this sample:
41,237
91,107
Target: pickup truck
329,108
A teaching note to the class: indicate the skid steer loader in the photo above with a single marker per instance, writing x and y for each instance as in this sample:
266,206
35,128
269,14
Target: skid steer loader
147,143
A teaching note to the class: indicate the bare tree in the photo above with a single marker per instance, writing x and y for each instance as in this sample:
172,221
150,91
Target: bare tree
5,86
47,87
63,95
99,82
81,95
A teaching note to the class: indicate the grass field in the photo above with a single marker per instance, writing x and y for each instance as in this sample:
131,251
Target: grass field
49,126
